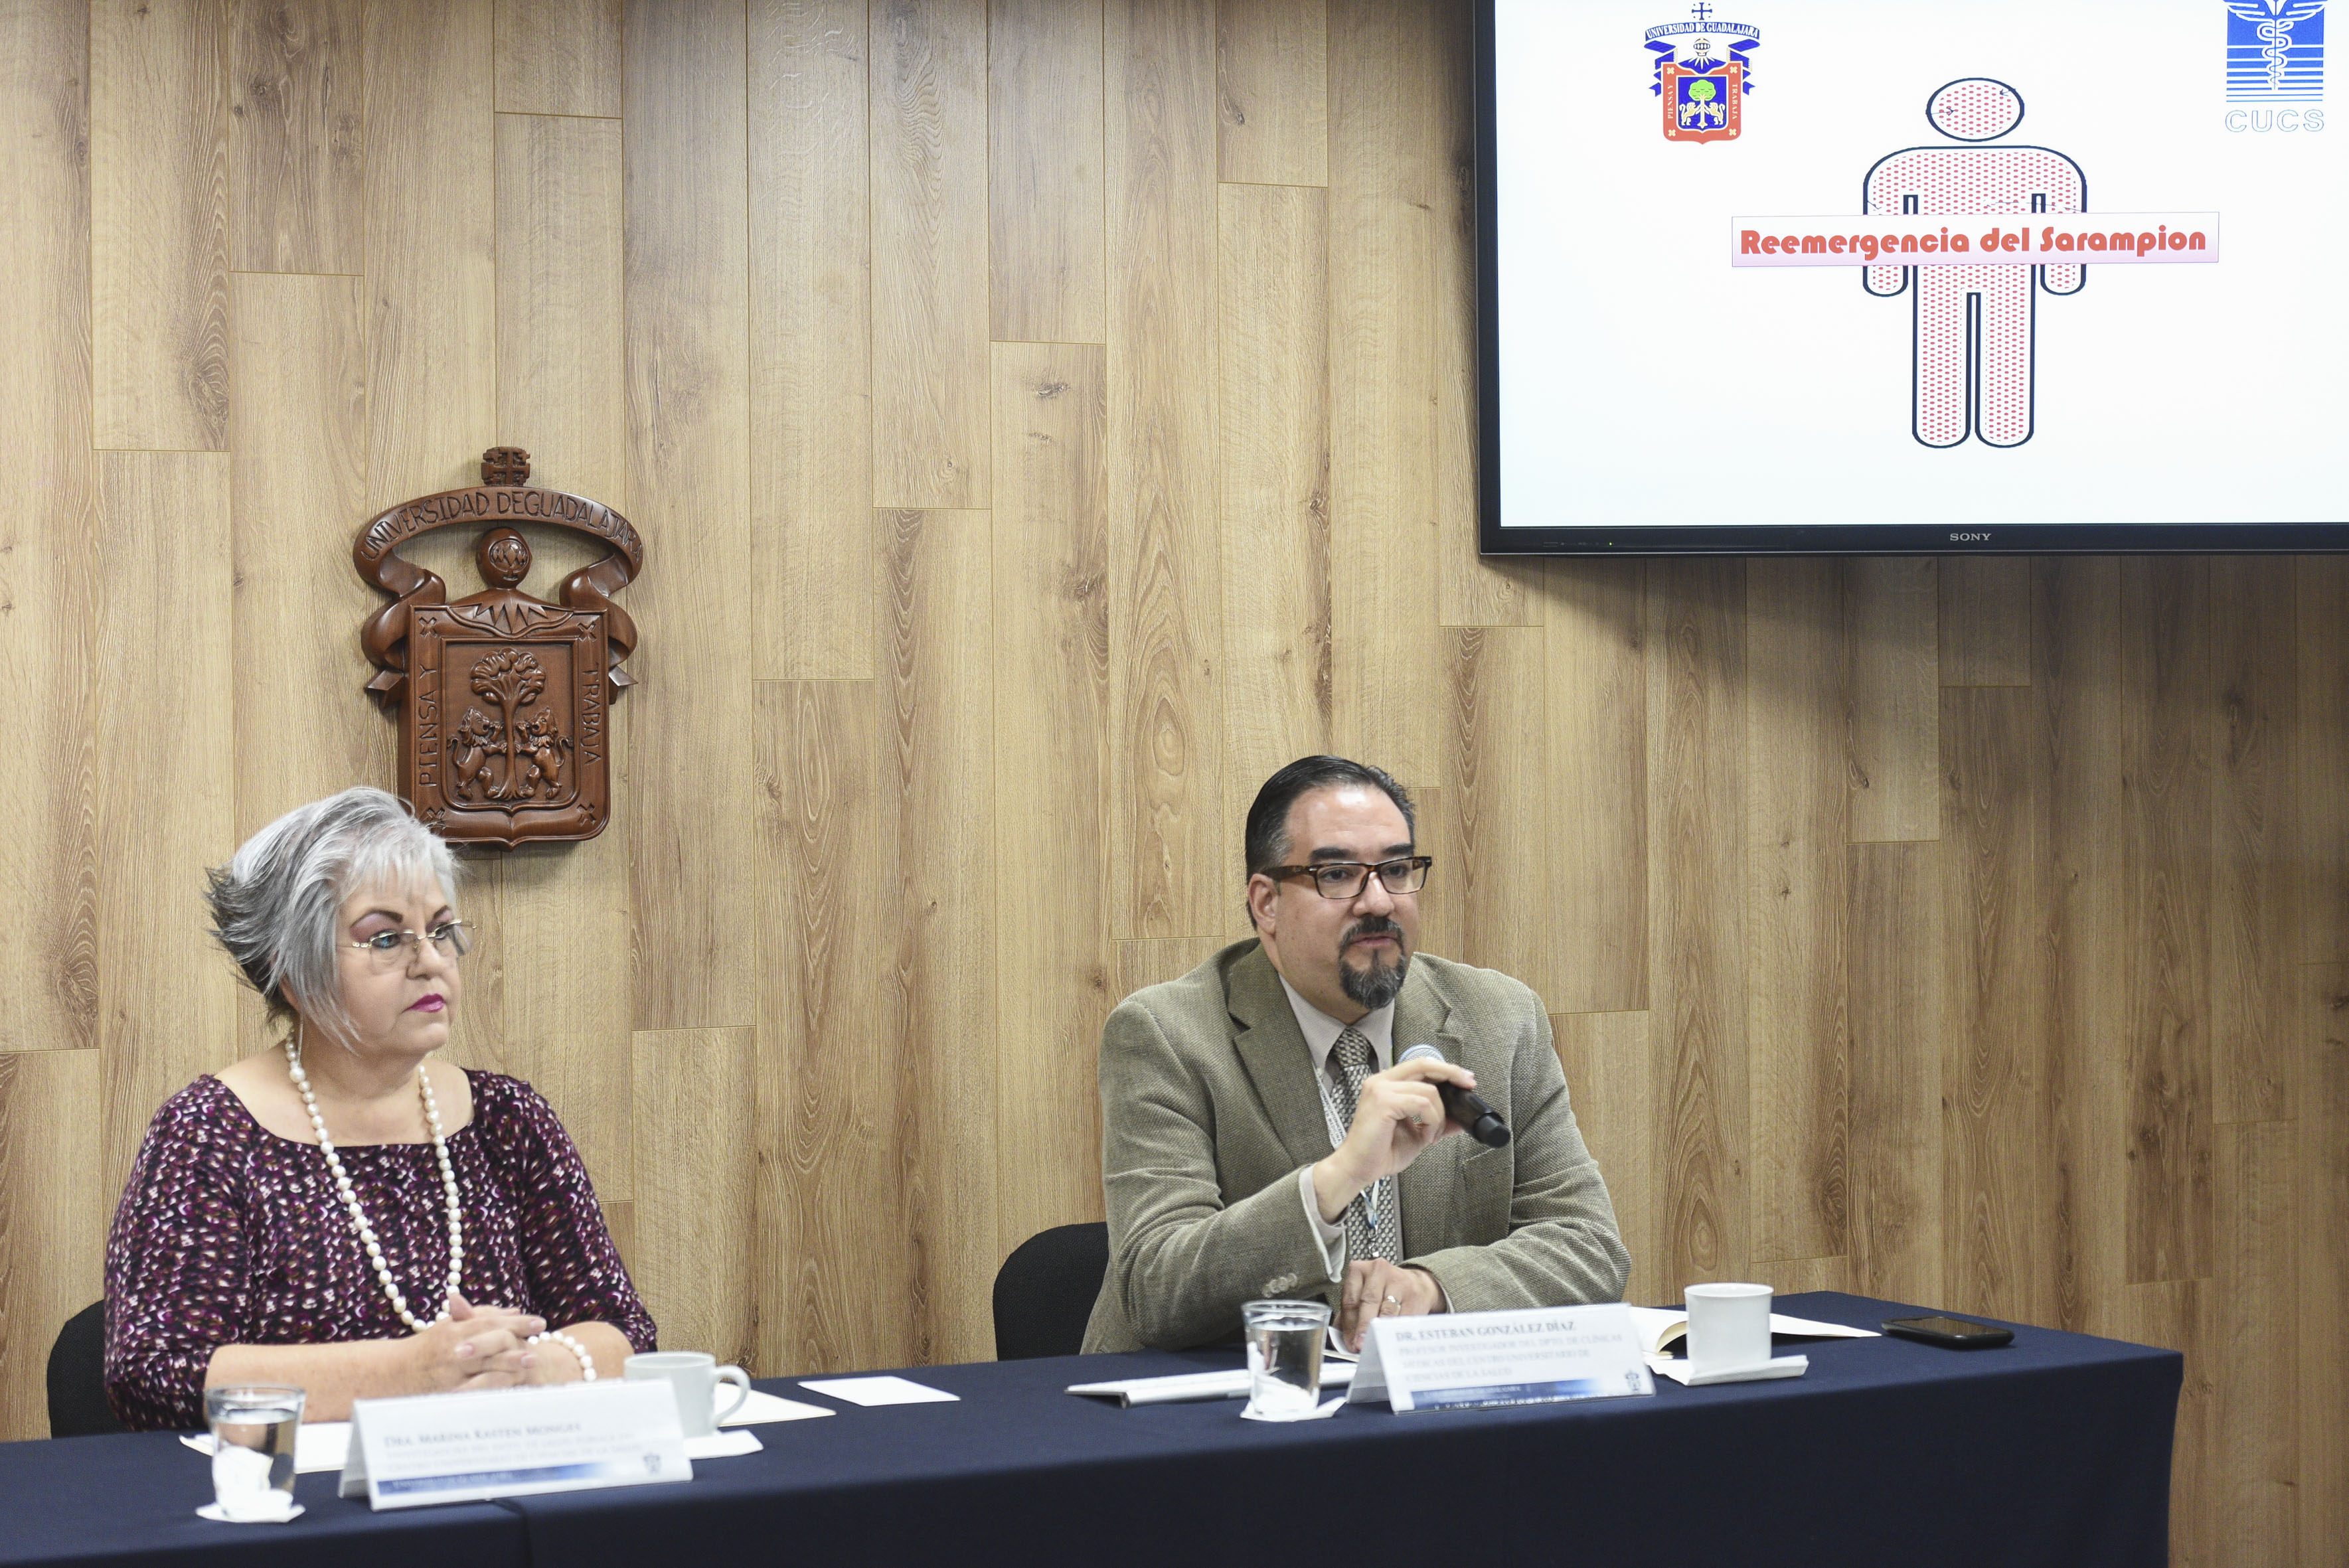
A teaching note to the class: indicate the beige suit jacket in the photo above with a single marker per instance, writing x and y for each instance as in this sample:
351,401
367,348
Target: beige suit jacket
1209,1109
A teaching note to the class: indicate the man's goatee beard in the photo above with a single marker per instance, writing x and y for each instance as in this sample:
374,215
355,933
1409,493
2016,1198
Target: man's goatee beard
1376,986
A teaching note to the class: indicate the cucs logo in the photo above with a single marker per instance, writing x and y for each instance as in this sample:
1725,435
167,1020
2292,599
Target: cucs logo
2275,61
1704,95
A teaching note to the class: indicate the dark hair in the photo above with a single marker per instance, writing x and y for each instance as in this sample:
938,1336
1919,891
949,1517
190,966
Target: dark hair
1265,843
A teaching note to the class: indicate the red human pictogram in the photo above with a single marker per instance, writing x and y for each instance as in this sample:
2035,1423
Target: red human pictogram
1974,325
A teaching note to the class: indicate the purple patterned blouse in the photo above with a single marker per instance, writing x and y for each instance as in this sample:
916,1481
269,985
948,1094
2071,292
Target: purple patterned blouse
229,1234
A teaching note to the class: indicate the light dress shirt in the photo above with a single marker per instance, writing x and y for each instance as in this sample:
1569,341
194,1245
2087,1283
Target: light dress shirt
1321,1031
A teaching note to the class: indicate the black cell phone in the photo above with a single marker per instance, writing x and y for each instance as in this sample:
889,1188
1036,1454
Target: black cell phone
1952,1333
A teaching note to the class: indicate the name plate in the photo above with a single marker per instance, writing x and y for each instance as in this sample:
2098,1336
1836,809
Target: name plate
1533,1356
511,1442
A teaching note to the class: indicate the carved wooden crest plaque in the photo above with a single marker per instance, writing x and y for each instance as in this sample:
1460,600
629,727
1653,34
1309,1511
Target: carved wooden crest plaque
502,699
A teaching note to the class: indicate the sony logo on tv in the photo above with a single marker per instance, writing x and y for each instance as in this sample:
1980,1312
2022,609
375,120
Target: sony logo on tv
1968,538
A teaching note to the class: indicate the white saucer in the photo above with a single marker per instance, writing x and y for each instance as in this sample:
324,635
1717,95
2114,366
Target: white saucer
212,1511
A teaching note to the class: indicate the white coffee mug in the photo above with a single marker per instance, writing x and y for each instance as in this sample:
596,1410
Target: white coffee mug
695,1375
1728,1325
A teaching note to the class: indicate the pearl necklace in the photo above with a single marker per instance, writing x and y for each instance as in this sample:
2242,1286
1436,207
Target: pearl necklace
359,1216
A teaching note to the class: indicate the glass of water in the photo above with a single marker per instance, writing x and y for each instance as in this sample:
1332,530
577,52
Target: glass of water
253,1425
1283,1355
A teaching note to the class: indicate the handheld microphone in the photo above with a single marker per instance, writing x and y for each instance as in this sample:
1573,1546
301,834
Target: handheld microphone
1462,1105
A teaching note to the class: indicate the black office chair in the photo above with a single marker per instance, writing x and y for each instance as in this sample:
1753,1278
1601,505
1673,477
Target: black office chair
1045,1291
78,1404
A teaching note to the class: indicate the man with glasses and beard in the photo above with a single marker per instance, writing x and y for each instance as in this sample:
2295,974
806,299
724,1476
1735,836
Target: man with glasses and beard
1262,1136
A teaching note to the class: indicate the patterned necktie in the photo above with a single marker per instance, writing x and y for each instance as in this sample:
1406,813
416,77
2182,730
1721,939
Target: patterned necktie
1366,1237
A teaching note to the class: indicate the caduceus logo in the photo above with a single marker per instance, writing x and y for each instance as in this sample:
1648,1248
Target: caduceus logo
2275,51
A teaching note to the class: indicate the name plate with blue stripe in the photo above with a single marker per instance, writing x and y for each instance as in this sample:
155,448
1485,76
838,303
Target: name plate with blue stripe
512,1442
1536,1356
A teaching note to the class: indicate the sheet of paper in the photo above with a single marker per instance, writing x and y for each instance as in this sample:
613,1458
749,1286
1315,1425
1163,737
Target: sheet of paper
1184,1387
1683,1373
722,1446
764,1407
883,1390
317,1445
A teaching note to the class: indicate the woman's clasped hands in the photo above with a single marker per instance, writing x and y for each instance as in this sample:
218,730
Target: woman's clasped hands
477,1348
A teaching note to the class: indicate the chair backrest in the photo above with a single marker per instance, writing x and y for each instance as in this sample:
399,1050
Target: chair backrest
77,1402
1045,1291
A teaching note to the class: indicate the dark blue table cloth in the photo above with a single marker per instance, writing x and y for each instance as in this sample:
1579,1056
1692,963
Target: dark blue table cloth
2053,1450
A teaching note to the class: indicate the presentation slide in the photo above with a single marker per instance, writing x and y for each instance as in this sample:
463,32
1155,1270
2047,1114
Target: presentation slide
1968,263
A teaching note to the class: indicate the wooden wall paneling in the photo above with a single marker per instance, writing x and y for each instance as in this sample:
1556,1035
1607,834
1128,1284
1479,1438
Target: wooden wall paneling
1274,449
1890,620
166,1006
53,1240
563,910
1054,965
812,412
1611,1082
2254,1306
1798,1037
2166,705
1595,648
685,292
431,245
1894,931
2075,699
831,1254
1046,270
1384,184
1272,84
928,101
47,493
1495,781
620,1220
296,154
1985,620
2324,1264
559,57
2323,734
2254,838
1172,834
1792,1277
1994,1073
693,1203
940,741
561,390
1442,904
1697,912
1152,960
158,222
2174,1314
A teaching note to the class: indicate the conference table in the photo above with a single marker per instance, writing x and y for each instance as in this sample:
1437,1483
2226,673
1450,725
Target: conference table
2054,1449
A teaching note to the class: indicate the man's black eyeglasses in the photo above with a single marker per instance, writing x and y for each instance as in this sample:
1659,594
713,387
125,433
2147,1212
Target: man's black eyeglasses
1346,879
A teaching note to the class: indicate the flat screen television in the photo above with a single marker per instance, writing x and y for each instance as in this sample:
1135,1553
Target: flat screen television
1996,275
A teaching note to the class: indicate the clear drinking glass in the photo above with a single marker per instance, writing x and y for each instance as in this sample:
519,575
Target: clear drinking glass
1284,1356
253,1425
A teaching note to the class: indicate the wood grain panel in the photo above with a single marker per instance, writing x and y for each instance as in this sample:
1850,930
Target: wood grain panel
1893,922
1382,533
693,1203
811,427
2254,1344
620,1218
1443,912
1697,915
2324,625
1046,269
1274,447
938,746
928,105
685,292
159,222
833,1254
53,1242
1798,1041
162,681
1170,833
1054,967
1994,1076
2323,1258
431,247
1791,1276
1272,80
296,168
2254,838
1595,647
559,57
2175,1315
2166,703
1889,619
48,558
1985,620
1494,786
564,910
2075,681
1610,1080
1150,960
560,392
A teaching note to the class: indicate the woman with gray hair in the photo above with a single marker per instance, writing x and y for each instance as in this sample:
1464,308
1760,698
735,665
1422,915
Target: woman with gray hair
345,1213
